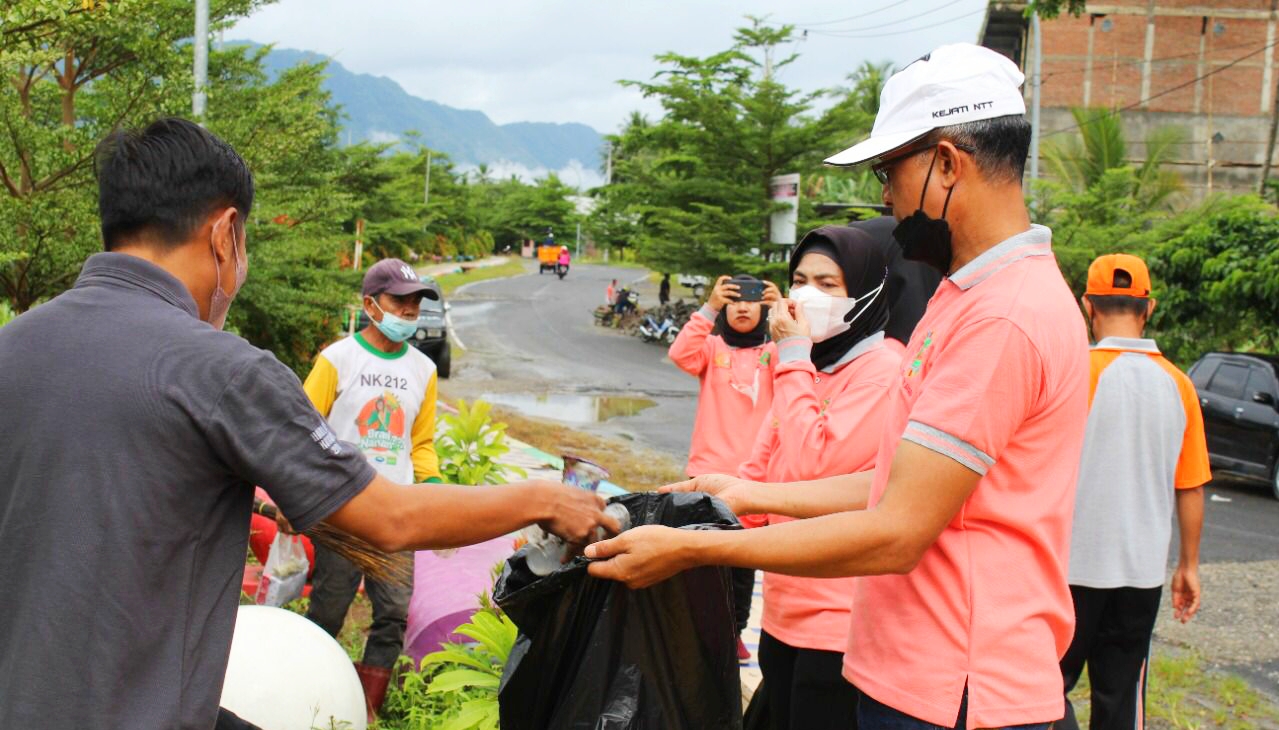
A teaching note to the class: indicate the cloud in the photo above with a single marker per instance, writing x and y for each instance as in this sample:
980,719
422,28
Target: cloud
378,136
560,60
574,174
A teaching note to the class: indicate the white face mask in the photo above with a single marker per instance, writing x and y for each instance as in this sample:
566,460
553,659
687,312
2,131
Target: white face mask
826,313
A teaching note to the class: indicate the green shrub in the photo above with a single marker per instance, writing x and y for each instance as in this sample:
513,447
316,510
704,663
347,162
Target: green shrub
455,688
469,445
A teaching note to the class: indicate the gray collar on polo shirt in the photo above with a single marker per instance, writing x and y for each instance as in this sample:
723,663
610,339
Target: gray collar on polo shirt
120,269
1129,344
1035,241
861,348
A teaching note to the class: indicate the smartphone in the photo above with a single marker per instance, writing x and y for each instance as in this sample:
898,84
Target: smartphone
749,291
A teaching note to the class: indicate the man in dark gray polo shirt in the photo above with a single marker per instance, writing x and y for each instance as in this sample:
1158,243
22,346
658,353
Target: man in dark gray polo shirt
133,431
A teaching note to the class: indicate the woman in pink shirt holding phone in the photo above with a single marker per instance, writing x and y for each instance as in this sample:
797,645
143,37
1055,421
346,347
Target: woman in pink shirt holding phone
725,345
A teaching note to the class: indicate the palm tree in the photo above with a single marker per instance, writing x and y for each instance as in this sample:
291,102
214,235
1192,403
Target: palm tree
1080,161
868,83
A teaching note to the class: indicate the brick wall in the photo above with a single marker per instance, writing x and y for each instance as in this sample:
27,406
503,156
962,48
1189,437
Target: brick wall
1107,58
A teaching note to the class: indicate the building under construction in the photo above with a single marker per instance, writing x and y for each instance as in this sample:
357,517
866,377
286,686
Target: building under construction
1206,67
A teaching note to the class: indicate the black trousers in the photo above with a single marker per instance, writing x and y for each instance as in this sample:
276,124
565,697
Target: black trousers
743,580
333,587
806,687
1113,627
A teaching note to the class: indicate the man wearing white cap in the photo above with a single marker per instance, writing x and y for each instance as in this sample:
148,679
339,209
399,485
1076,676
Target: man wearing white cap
964,523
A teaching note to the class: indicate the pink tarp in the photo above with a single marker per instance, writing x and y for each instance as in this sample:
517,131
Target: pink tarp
446,592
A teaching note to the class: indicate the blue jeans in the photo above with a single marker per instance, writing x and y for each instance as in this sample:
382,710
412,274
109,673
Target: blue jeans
872,715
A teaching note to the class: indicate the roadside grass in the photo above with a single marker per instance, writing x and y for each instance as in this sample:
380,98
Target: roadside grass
619,262
635,468
1184,694
450,282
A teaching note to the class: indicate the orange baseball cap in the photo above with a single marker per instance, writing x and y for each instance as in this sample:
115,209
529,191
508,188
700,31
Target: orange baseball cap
1103,272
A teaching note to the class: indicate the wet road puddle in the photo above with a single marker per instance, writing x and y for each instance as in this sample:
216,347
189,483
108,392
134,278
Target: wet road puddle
571,408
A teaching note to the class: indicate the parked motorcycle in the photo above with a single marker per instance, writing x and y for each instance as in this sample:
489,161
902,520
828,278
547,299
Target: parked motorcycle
652,331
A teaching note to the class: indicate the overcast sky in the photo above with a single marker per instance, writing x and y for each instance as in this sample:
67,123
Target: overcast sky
559,60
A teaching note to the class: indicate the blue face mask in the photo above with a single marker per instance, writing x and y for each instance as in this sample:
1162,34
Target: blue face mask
395,328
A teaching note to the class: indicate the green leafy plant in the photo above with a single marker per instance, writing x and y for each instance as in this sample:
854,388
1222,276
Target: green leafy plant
455,688
6,313
469,445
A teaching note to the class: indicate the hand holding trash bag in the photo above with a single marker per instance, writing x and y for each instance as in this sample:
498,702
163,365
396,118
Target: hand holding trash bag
733,491
640,557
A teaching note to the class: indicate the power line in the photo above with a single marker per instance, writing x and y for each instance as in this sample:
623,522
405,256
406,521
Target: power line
900,32
1165,92
918,16
1100,63
851,17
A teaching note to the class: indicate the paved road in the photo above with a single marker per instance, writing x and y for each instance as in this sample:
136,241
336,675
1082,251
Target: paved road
1245,529
536,333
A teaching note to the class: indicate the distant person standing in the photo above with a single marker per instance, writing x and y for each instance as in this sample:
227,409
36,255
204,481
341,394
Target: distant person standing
1144,457
378,393
664,290
610,294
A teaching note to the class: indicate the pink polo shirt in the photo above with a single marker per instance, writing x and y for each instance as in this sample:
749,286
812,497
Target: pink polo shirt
821,424
737,390
996,378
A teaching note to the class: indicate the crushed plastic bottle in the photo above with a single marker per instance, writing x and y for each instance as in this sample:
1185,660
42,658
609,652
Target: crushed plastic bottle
548,552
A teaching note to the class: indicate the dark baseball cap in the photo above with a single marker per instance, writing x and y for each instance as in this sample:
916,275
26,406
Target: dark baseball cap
393,276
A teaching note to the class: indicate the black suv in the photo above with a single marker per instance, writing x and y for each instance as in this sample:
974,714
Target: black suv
1240,399
432,336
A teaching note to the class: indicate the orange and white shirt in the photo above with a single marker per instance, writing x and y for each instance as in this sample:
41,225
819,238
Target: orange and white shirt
737,390
1145,439
822,423
384,403
996,378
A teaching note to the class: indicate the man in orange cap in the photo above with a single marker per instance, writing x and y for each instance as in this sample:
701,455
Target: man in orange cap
1144,451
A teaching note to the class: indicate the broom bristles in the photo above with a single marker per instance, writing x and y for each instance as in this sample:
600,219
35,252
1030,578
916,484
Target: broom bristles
376,564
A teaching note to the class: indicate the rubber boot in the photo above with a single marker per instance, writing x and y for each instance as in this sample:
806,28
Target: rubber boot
374,681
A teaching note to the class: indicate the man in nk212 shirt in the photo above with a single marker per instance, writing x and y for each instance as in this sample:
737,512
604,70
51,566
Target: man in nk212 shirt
134,430
379,394
1144,455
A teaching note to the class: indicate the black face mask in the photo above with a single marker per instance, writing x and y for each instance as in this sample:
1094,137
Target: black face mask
926,239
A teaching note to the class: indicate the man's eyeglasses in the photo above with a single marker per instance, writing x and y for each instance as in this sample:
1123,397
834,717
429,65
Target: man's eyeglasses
882,169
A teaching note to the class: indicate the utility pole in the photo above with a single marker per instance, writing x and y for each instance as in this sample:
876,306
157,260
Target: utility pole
201,58
579,240
426,191
1274,127
1035,79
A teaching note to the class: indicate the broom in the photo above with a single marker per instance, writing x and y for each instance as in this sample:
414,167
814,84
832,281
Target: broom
380,566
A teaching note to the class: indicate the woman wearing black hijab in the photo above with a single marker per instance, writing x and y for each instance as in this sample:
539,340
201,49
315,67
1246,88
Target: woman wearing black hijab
830,392
725,345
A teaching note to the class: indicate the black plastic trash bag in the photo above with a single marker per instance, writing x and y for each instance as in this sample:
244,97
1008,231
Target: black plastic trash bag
594,655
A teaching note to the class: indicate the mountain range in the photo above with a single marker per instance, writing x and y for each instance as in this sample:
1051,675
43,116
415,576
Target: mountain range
378,109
